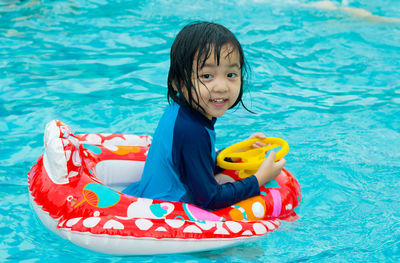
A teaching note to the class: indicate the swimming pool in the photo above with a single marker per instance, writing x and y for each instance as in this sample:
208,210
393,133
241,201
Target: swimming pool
325,79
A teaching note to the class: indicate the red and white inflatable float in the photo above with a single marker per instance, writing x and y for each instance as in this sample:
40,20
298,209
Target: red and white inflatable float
74,189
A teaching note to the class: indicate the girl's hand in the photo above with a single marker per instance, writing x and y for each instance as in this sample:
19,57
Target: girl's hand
269,169
259,135
258,144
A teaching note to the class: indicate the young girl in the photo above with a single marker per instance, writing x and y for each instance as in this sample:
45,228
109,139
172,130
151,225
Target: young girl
204,81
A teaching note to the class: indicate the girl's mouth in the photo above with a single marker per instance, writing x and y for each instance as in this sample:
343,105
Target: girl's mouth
218,100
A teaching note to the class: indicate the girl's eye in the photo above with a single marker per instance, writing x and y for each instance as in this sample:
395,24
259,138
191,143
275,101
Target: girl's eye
232,75
206,76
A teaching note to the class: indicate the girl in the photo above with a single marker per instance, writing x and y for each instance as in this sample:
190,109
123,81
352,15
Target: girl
204,81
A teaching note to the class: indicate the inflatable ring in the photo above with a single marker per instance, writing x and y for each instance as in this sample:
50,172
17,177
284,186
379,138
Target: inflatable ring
251,158
74,189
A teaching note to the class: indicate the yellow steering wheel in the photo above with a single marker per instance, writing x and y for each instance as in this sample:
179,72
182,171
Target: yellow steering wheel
251,157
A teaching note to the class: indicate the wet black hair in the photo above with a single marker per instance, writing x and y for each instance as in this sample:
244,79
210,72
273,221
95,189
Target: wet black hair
197,41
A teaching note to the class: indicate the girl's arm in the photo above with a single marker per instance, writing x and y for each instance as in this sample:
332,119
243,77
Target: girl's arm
198,175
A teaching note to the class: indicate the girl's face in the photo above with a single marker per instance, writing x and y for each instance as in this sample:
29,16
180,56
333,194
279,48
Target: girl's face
218,86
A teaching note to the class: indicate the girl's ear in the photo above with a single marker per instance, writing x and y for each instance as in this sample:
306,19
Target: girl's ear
181,90
174,86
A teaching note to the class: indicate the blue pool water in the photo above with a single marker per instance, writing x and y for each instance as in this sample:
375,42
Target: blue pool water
327,80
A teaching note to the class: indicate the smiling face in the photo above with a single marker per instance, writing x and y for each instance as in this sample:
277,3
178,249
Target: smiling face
218,84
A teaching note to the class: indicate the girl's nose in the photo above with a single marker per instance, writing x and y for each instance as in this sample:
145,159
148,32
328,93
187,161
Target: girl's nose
220,85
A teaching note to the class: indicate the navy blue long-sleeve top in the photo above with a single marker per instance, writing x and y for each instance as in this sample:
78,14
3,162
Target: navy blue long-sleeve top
181,164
